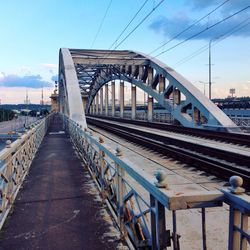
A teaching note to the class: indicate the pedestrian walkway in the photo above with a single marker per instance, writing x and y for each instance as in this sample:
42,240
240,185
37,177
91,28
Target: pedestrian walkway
56,209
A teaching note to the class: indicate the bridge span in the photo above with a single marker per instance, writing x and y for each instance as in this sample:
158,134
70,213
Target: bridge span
68,182
58,206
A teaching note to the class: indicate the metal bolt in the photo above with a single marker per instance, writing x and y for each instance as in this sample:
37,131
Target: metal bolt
8,142
236,183
160,176
101,140
118,152
90,132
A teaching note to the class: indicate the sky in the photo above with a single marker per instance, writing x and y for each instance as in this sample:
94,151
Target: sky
32,32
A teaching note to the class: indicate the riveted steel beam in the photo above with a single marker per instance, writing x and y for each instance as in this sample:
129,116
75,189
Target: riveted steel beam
187,105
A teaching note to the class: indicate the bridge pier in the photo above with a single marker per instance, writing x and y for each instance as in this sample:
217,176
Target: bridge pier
121,99
106,99
84,102
161,83
97,103
94,106
101,101
176,96
150,108
150,76
113,97
133,102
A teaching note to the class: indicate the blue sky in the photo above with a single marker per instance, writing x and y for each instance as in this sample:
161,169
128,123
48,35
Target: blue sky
33,31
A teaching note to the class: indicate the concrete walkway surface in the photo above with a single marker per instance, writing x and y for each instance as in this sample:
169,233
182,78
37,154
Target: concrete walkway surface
58,206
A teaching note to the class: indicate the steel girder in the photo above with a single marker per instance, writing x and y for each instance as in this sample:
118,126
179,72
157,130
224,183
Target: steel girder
70,100
94,68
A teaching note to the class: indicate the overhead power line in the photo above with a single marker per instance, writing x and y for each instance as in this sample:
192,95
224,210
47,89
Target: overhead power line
218,40
139,24
153,9
202,31
189,27
100,26
133,18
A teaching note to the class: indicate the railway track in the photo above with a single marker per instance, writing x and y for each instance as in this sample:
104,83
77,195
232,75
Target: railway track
215,161
234,138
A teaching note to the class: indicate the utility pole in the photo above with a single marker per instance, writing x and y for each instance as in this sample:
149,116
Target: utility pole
209,70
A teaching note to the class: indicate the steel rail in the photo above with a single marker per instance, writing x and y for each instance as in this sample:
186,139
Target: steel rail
235,138
211,165
236,158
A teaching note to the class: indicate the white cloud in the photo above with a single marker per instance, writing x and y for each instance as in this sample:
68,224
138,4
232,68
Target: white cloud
222,91
30,81
2,75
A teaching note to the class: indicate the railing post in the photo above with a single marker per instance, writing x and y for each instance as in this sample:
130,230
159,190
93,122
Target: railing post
120,191
238,215
102,166
203,224
158,224
234,236
175,236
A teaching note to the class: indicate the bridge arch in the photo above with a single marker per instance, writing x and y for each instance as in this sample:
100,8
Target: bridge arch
89,70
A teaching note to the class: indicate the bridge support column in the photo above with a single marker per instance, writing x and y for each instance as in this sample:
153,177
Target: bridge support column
150,108
84,103
101,101
94,107
161,83
150,76
97,103
133,100
121,99
91,109
106,99
113,97
141,70
177,96
196,116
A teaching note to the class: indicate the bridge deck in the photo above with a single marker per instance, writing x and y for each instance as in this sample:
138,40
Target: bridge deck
56,209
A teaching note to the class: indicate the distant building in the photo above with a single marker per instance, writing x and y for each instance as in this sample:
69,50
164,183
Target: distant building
54,101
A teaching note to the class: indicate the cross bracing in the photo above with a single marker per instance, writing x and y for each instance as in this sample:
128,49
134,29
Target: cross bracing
91,69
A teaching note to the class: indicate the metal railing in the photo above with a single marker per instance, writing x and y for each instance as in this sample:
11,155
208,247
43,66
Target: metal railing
15,161
137,200
239,213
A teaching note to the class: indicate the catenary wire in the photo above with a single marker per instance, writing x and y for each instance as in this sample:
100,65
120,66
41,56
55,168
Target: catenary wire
100,26
139,24
133,18
219,39
189,27
202,31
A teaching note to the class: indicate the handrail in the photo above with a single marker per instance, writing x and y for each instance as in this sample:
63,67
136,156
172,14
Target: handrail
15,161
141,220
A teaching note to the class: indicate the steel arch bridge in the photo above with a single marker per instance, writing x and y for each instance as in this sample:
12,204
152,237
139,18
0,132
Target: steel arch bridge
83,72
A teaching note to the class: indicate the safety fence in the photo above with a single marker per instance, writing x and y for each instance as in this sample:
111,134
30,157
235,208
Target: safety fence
15,161
239,213
141,212
141,215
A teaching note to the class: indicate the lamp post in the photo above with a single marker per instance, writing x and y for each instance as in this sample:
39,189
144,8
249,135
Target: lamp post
204,86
